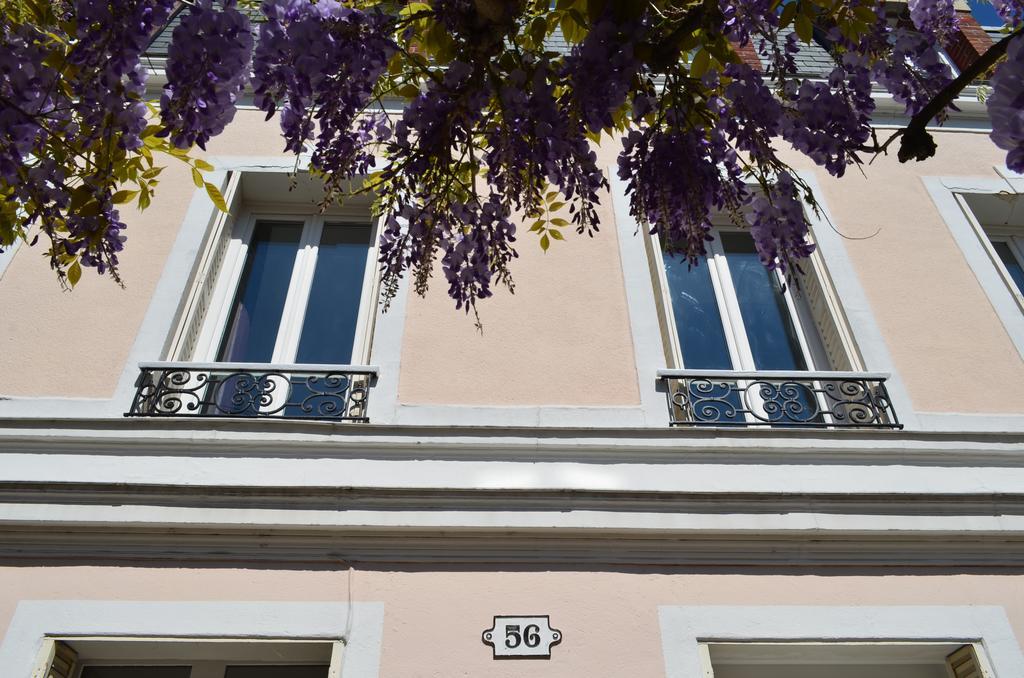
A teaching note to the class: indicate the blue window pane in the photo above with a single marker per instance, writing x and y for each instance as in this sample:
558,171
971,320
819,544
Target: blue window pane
770,331
1010,262
698,319
256,313
984,13
332,312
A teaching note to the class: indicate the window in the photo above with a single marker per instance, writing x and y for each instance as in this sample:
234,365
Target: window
998,222
734,314
843,660
731,313
279,317
299,293
192,658
1009,251
746,348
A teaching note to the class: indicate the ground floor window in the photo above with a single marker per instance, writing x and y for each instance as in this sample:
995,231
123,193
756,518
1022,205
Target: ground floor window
842,660
191,658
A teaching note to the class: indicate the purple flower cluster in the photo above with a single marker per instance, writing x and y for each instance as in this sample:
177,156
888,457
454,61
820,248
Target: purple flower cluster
56,129
779,226
207,67
829,121
600,71
319,63
534,142
1006,105
674,181
935,18
111,37
912,69
743,19
26,87
1010,11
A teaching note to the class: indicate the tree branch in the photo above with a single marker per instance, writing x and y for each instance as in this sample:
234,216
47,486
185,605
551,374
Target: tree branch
917,143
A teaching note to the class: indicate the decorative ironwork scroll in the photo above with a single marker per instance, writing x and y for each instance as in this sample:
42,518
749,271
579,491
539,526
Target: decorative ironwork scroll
817,400
338,393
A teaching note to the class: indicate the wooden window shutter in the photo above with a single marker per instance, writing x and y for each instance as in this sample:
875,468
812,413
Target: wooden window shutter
964,663
210,262
823,303
59,661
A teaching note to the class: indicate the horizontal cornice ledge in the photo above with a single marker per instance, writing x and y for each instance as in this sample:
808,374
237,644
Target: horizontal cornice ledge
507,549
234,438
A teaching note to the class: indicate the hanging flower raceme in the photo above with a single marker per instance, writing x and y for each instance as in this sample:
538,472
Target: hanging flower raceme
912,70
27,87
534,142
207,67
111,37
319,63
830,121
1010,11
779,226
1006,105
936,19
744,18
676,178
600,71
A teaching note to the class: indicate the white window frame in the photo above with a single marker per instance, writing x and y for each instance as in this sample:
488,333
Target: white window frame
686,629
293,314
946,648
207,657
729,310
358,626
1014,238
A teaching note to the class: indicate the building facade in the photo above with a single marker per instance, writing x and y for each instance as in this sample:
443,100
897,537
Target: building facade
241,465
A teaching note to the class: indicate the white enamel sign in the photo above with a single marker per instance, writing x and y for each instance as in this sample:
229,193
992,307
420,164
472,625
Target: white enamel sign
522,637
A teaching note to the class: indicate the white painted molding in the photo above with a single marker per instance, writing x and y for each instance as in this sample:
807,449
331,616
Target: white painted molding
287,471
34,620
552,416
386,351
648,348
7,256
684,627
943,191
856,306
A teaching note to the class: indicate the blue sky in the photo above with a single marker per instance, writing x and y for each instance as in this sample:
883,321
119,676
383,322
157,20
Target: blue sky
984,13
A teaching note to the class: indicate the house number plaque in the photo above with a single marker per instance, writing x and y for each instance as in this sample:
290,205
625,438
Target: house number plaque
522,637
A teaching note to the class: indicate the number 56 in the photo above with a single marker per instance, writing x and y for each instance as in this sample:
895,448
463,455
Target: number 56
531,636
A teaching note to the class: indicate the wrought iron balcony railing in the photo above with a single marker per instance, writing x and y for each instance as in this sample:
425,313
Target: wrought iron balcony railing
332,392
778,399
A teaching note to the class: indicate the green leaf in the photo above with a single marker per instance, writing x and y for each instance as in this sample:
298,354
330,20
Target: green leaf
74,273
788,12
804,27
538,30
865,14
121,197
197,178
701,61
216,197
409,91
556,234
545,242
559,222
538,225
556,206
202,165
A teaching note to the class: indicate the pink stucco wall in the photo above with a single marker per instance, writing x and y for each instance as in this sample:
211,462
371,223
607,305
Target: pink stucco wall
433,619
564,337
